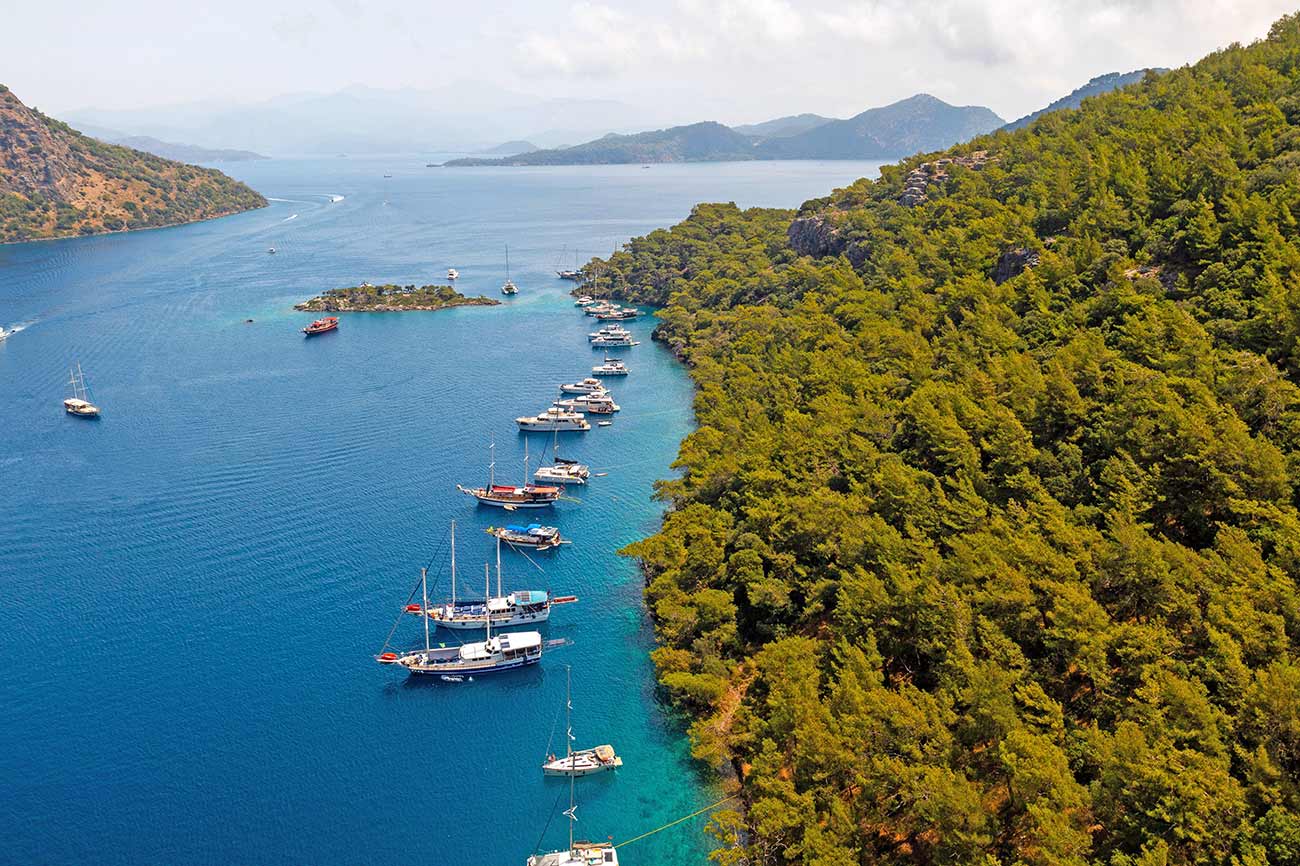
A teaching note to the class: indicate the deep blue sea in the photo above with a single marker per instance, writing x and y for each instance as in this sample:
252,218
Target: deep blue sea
195,585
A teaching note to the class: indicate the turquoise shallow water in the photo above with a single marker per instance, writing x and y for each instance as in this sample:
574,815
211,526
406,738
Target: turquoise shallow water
195,585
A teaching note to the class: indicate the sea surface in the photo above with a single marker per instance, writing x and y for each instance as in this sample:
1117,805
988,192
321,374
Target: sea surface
195,585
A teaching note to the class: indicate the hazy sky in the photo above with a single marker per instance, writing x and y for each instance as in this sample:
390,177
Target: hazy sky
729,60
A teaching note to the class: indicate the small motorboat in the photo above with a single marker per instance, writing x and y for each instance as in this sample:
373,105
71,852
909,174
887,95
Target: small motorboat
4,335
453,274
604,423
270,250
321,326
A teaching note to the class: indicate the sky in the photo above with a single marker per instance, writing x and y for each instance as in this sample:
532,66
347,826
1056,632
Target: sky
734,61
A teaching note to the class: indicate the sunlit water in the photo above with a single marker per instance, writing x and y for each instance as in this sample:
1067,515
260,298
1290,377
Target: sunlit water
195,585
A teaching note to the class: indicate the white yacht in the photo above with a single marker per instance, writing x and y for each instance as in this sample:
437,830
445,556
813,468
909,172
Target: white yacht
602,403
614,330
554,419
611,367
600,307
586,386
453,274
584,301
619,342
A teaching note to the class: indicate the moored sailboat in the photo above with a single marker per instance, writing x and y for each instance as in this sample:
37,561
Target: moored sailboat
527,495
579,762
509,287
495,654
533,535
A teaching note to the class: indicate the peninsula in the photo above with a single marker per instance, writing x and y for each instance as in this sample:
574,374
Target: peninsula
56,182
390,298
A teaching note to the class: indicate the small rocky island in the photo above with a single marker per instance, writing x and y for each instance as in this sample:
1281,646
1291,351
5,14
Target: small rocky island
390,298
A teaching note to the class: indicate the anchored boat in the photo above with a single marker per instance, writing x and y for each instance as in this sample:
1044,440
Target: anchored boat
532,535
521,607
321,326
509,287
501,653
511,497
579,762
79,403
611,367
554,419
586,386
578,853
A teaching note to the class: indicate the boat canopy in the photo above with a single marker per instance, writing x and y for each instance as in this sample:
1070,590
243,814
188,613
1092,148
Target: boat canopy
518,640
529,596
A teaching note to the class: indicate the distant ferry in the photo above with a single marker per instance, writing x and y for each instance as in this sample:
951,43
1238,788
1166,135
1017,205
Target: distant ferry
321,326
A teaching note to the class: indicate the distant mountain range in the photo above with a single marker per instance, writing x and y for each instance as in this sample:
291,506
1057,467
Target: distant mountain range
919,123
1100,84
57,182
186,152
462,117
510,148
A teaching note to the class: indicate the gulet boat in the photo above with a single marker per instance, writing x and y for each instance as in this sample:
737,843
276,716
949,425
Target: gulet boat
79,403
510,497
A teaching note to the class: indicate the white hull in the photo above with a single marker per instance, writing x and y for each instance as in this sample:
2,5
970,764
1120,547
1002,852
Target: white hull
554,426
498,620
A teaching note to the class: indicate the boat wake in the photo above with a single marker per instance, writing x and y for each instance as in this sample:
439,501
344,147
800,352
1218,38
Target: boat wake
289,200
291,217
335,199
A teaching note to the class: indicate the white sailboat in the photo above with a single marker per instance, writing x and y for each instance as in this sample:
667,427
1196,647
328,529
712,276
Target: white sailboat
79,403
583,762
509,287
578,853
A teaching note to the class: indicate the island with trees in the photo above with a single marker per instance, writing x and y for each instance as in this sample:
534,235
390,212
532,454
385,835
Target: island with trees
390,298
986,548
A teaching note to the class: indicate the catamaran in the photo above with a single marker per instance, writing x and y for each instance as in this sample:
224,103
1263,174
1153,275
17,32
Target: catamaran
578,853
509,287
586,386
79,403
532,535
501,653
554,419
611,367
521,607
527,495
563,471
582,762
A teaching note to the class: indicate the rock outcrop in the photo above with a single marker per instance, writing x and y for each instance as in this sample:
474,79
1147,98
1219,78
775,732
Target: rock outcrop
917,184
1012,263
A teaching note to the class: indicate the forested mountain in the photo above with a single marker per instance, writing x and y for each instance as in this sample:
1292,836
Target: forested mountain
1101,84
918,123
698,142
56,182
790,125
910,125
986,547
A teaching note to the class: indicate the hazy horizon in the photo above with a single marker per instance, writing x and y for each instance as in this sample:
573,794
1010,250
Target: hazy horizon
735,61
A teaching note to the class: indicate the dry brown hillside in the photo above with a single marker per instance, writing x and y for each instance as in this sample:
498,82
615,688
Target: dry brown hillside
56,182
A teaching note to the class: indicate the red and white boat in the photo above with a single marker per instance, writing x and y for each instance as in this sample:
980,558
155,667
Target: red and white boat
321,326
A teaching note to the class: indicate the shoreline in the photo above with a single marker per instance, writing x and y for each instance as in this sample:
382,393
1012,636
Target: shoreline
174,225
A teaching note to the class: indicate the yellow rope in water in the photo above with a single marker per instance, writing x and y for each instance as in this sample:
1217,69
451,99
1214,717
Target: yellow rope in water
678,821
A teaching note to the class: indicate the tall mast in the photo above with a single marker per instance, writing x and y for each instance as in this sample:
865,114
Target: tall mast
487,611
424,590
492,464
525,461
568,747
498,565
453,568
